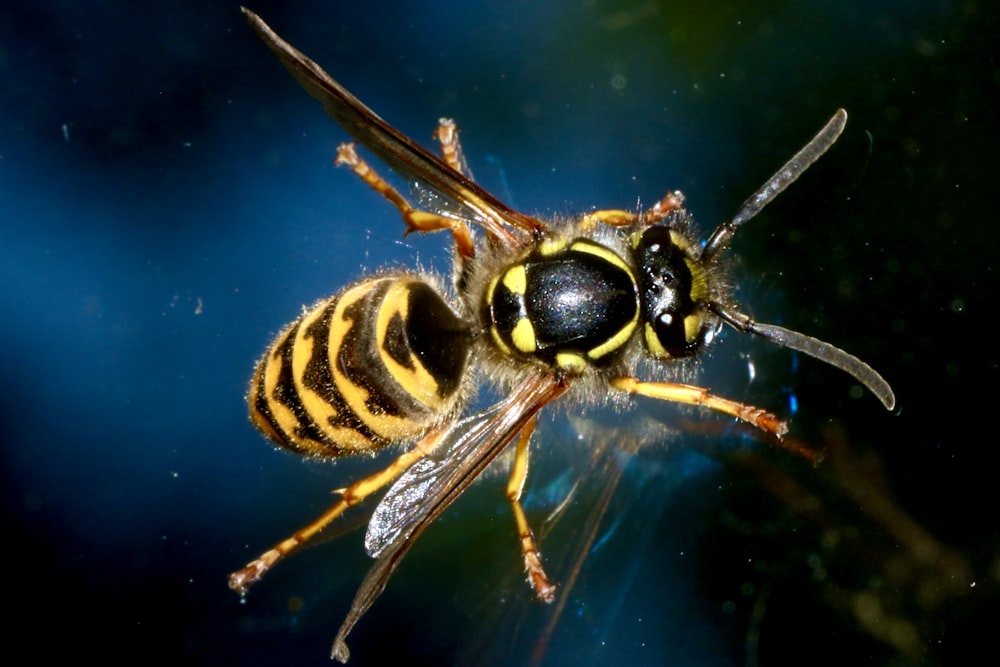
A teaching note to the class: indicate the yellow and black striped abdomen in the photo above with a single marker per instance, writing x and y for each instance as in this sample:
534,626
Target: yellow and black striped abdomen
380,363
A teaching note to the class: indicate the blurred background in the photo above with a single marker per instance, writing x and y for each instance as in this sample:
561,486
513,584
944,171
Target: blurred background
168,201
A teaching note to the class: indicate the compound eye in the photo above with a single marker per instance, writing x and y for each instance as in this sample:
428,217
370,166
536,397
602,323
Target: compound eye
674,334
666,287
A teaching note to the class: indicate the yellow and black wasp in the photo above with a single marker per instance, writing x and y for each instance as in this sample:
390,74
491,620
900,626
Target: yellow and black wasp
541,309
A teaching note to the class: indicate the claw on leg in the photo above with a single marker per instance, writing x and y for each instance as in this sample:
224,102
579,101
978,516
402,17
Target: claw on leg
241,580
672,201
539,581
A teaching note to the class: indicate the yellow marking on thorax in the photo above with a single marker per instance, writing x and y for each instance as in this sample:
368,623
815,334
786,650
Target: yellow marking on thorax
516,279
495,335
653,343
523,336
551,246
607,255
571,362
491,289
616,341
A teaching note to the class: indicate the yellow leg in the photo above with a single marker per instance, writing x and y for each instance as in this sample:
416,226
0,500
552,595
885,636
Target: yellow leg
544,589
451,148
241,580
689,395
416,220
672,201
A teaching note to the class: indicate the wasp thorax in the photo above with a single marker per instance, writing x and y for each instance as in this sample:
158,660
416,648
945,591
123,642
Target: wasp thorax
672,291
569,304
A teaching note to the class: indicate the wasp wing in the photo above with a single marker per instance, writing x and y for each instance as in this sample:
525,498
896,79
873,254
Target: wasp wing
516,634
400,505
414,505
397,150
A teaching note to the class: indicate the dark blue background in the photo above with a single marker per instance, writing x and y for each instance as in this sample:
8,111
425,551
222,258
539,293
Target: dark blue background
168,201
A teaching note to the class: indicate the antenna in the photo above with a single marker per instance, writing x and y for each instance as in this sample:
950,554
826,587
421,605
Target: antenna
814,347
776,184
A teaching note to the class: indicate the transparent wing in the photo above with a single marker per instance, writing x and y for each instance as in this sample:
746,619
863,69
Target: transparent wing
402,503
412,505
584,470
606,488
397,150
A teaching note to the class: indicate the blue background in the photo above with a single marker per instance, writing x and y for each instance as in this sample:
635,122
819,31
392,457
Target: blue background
168,202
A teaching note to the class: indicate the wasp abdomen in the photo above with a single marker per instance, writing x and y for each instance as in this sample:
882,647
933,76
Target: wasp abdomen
379,363
568,304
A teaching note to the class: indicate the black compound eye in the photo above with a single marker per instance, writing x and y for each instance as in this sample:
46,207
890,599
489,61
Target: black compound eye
666,284
671,333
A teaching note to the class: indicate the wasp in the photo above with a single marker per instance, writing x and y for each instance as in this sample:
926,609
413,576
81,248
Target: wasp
575,309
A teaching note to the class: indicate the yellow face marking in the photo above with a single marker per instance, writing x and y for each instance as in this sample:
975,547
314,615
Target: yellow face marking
523,336
516,279
417,382
653,343
678,240
699,285
571,362
692,325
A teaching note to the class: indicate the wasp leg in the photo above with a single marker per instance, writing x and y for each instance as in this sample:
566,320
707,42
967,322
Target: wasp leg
241,580
672,201
416,220
544,589
689,395
451,148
